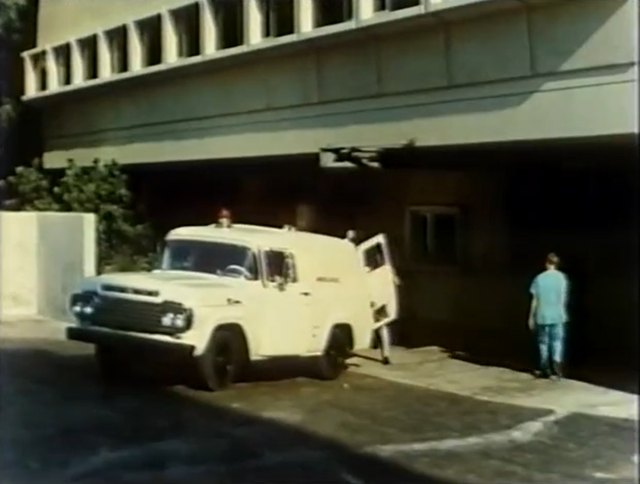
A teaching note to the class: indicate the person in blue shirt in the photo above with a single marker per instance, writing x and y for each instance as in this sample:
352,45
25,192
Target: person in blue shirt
548,316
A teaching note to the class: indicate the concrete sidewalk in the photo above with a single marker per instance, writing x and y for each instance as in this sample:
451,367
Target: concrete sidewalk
432,368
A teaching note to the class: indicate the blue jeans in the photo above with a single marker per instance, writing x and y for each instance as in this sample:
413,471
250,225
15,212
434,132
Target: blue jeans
550,343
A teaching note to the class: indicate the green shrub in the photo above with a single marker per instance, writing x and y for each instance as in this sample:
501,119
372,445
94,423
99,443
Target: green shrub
102,188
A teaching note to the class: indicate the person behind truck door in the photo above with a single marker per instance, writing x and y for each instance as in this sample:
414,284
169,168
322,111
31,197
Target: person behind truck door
224,219
384,338
382,333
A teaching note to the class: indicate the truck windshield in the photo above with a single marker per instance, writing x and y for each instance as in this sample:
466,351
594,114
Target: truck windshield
216,258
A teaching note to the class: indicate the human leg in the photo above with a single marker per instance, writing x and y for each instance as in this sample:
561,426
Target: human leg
385,344
556,342
542,333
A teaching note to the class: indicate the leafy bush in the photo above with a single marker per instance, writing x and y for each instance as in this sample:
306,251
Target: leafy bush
102,189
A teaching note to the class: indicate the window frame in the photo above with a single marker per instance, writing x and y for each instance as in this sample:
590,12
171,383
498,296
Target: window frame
151,55
391,6
89,54
221,25
188,43
345,5
118,40
269,19
265,266
432,261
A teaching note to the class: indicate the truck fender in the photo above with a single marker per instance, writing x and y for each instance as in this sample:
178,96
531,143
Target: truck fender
233,327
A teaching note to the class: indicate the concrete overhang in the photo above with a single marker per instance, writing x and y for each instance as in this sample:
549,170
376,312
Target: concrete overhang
427,13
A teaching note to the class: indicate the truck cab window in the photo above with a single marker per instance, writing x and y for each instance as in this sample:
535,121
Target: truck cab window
280,266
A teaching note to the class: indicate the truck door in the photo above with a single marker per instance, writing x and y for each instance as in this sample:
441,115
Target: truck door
286,307
375,257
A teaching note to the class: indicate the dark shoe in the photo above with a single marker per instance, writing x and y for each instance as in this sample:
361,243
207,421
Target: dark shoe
386,360
541,374
557,370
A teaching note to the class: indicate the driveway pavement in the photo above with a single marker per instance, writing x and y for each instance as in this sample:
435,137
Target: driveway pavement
61,424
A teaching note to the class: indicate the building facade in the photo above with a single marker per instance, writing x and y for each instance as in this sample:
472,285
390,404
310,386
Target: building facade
499,130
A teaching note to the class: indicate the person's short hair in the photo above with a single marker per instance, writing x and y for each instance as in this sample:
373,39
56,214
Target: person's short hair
553,259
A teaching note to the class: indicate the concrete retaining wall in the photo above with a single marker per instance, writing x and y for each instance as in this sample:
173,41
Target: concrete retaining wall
43,256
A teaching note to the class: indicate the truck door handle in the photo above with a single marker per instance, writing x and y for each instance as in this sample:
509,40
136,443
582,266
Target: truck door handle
305,293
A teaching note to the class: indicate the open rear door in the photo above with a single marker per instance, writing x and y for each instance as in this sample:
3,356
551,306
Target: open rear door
376,260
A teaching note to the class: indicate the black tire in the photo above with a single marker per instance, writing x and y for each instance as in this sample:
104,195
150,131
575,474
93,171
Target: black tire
223,362
112,364
333,361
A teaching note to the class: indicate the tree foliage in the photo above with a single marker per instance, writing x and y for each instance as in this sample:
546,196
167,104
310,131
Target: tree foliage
11,19
102,189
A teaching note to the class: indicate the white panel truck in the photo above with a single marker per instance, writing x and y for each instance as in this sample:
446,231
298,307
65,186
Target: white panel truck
225,296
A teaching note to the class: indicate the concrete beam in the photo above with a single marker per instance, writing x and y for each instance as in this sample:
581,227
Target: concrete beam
305,16
364,9
104,56
76,62
135,47
169,38
208,28
29,74
51,69
252,22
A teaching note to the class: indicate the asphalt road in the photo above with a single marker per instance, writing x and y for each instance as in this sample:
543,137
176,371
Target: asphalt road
59,423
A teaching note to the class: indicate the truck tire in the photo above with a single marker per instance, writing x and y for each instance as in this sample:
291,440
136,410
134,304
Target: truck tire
113,366
333,361
222,363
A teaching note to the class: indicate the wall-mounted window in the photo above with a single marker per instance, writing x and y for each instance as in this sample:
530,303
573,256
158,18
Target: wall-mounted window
151,40
229,19
187,25
89,55
277,18
39,61
332,12
62,56
117,40
390,5
434,235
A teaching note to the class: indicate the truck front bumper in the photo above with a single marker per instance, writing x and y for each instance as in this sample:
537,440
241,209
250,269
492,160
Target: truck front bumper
132,342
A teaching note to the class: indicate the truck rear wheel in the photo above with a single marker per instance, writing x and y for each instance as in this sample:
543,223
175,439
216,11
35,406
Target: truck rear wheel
221,364
333,361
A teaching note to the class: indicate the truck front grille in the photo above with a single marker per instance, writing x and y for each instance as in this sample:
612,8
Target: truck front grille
131,315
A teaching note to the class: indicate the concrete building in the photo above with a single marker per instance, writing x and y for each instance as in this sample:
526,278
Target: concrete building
485,133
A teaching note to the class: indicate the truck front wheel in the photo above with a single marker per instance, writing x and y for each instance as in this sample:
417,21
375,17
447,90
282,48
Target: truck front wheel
221,364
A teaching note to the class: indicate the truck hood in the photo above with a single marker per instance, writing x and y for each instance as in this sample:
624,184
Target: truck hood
185,287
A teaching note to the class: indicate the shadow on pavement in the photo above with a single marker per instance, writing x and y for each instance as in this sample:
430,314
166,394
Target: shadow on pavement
61,424
612,377
516,350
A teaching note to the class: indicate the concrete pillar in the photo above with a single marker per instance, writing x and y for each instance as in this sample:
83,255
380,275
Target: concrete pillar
76,62
29,74
252,22
208,30
305,15
51,69
134,47
169,38
364,9
104,56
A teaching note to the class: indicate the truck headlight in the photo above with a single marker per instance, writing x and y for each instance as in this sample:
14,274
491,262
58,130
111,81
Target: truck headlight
84,304
175,320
